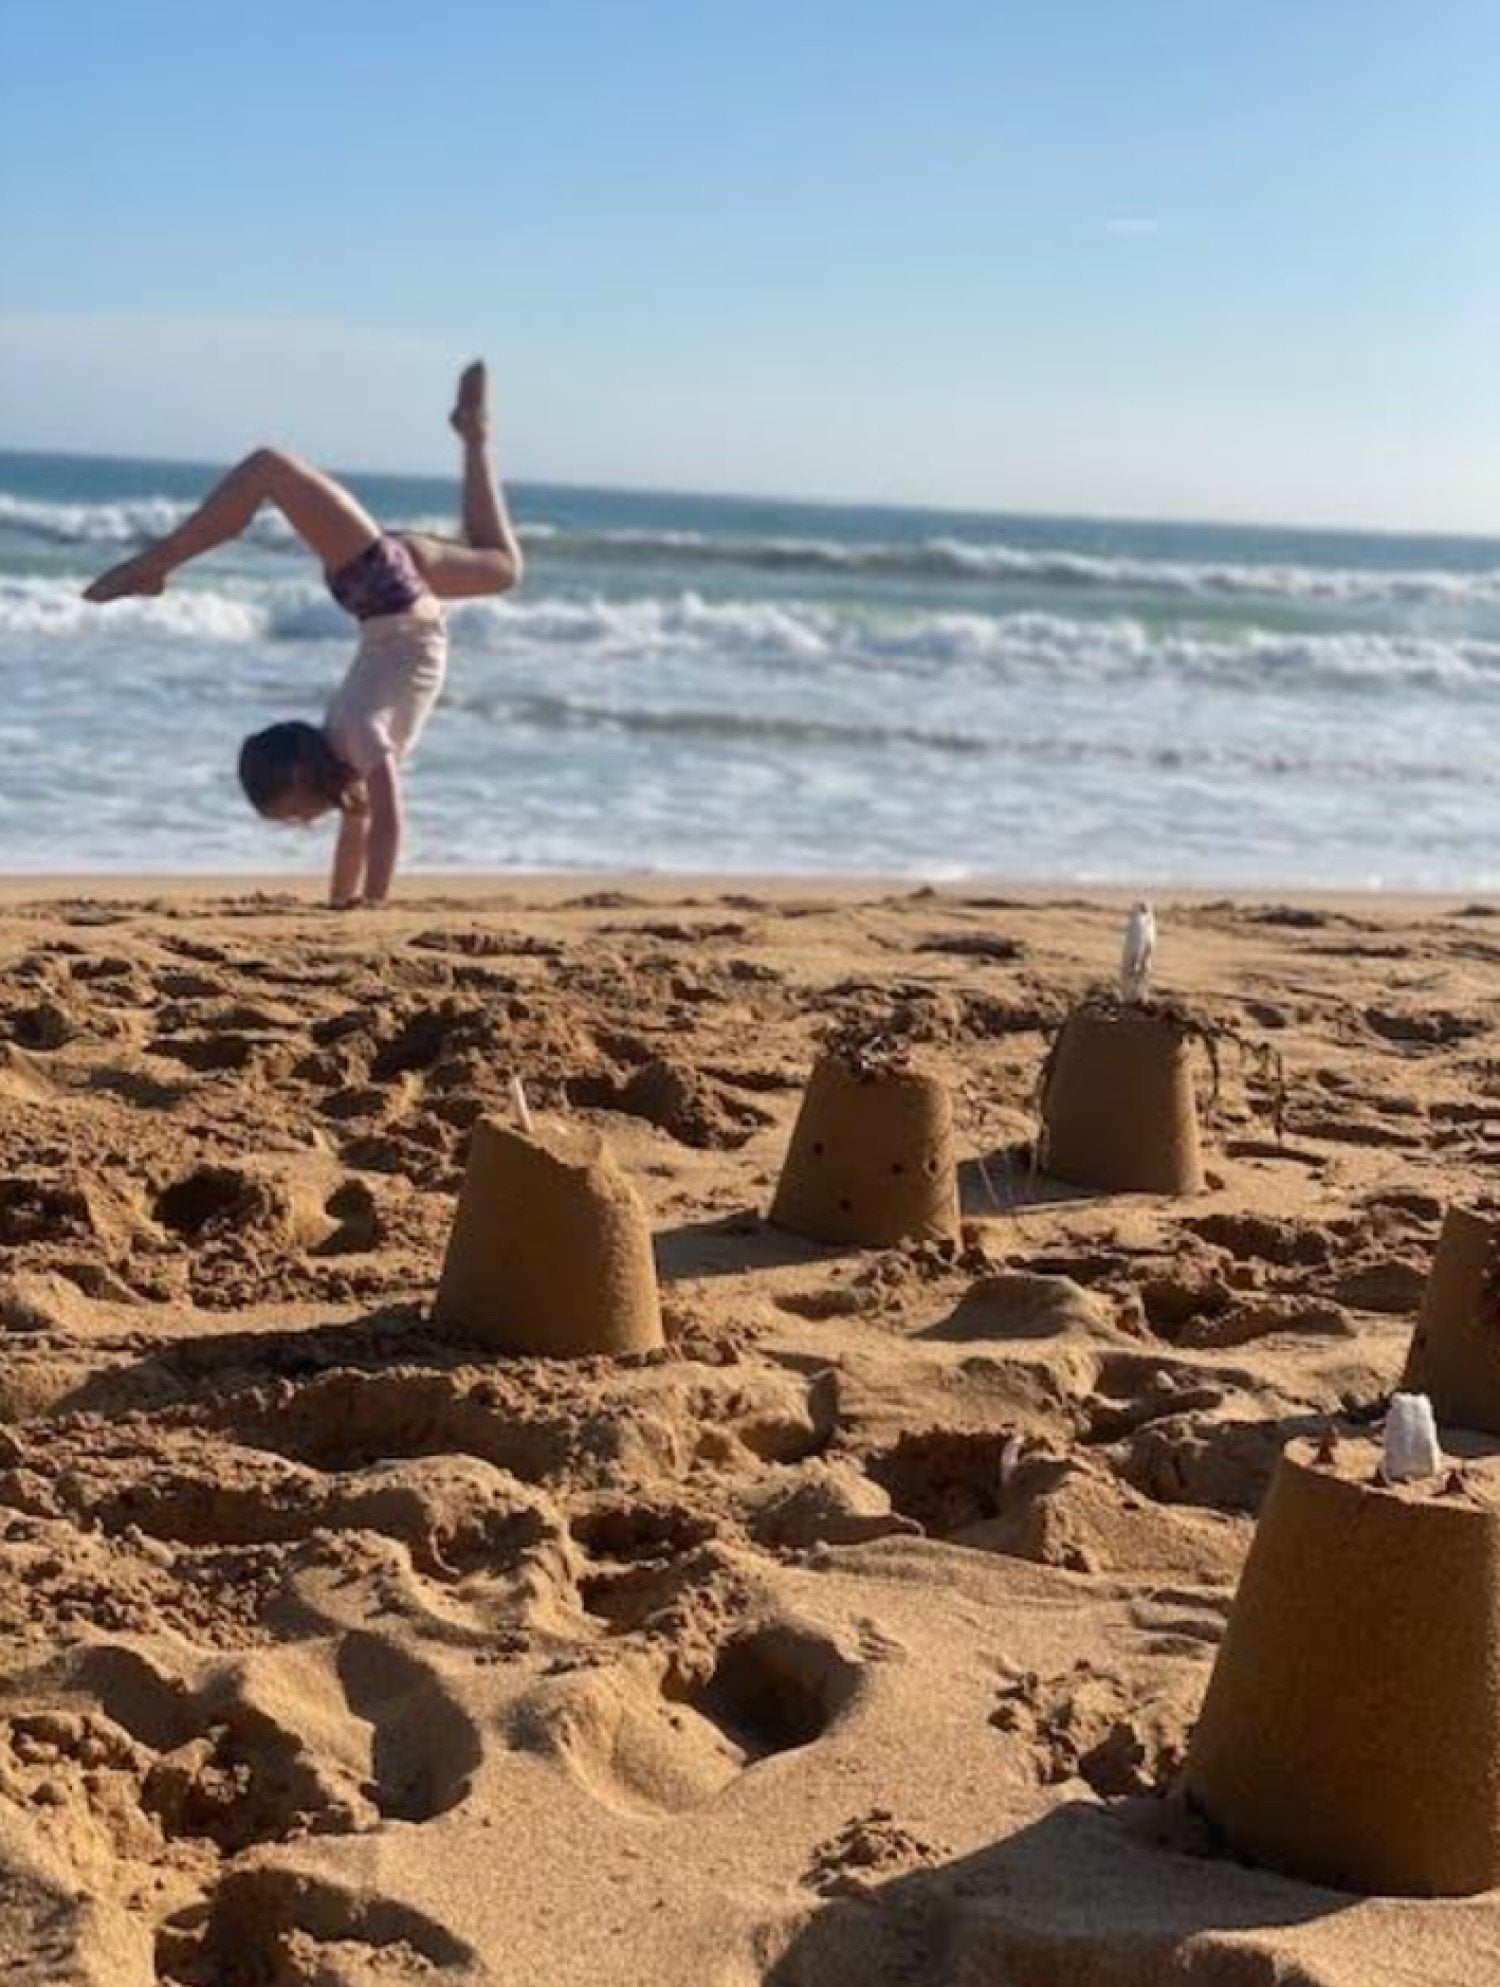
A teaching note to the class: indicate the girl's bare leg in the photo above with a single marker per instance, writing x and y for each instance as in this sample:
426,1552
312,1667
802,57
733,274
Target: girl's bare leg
334,525
489,559
486,526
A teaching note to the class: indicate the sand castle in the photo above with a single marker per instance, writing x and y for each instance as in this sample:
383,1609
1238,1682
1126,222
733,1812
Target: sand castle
871,1159
550,1250
1118,1108
1351,1731
1455,1349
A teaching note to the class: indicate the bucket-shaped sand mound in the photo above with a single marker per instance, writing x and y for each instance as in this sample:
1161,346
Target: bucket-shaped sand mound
1351,1731
871,1159
1455,1350
550,1250
1118,1108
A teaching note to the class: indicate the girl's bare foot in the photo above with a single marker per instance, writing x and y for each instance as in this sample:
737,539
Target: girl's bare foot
471,410
140,575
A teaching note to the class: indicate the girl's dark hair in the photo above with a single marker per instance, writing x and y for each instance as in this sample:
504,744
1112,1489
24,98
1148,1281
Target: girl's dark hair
283,757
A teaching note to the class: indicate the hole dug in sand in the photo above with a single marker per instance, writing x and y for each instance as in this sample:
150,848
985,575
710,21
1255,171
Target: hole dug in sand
945,1478
649,1594
647,1744
633,1530
222,1202
871,1160
216,1200
644,1561
34,1208
774,1690
1118,1107
551,1250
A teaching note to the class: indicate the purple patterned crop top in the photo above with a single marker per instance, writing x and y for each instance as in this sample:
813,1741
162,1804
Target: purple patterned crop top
383,579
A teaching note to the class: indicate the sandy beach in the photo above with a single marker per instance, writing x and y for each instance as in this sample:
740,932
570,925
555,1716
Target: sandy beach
855,1640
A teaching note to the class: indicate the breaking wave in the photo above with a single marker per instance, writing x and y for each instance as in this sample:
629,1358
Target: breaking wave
780,636
956,560
124,523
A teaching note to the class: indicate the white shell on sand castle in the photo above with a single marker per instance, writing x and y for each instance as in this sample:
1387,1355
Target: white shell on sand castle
1411,1440
1138,952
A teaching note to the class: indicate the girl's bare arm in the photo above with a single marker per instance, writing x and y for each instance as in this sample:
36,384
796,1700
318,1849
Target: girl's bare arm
351,852
383,784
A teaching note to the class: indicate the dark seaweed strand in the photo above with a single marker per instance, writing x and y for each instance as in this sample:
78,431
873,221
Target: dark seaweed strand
1264,1061
867,1047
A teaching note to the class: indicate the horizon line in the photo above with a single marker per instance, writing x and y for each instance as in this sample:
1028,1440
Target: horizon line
833,503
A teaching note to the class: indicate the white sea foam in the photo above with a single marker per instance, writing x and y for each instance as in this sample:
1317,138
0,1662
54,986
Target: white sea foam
131,521
124,523
55,609
793,636
1243,580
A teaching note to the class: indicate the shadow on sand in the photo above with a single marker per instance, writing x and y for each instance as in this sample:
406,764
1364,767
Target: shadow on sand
1085,1897
183,1369
1005,1182
731,1245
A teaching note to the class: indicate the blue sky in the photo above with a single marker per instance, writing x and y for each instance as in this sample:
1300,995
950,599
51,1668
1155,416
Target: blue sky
1202,258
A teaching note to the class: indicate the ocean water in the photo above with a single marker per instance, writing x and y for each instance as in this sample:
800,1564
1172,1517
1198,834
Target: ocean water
733,686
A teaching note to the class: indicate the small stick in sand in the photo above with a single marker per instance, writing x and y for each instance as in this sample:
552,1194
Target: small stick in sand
989,1186
520,1106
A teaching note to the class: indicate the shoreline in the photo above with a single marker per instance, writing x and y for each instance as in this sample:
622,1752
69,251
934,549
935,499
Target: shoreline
553,887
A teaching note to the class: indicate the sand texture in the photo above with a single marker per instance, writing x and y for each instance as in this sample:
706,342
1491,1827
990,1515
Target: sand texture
854,1636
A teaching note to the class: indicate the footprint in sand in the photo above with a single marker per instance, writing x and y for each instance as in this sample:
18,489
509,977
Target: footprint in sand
648,1742
318,1738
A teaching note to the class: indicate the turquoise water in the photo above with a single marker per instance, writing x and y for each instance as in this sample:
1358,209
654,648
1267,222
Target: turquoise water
708,684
